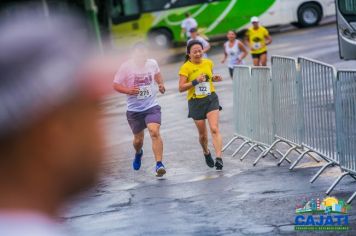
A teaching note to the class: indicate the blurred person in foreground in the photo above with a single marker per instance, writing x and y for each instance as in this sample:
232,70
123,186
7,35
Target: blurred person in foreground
258,38
50,137
140,79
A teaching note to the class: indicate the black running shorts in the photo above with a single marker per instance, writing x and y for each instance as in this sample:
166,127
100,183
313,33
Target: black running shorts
258,55
199,107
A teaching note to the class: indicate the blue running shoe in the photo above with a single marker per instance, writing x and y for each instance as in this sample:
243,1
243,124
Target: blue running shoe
160,170
136,164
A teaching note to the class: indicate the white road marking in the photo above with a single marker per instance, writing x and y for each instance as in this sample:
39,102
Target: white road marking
222,16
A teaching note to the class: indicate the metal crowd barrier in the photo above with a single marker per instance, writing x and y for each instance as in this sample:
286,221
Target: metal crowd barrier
304,104
318,92
252,109
262,118
346,125
242,93
242,112
287,106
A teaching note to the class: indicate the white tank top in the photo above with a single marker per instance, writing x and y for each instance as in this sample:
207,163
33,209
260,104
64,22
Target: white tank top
233,53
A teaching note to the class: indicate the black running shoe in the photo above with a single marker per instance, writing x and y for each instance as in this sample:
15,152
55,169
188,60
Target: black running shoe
219,163
209,160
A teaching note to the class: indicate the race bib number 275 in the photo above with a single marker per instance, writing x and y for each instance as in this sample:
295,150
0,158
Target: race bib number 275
144,92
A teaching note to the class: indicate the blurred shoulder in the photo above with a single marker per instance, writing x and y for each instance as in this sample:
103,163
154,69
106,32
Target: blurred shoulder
152,63
186,64
127,64
264,28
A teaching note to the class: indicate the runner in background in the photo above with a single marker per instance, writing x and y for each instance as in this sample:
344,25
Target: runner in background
187,24
194,35
234,52
258,38
196,76
139,78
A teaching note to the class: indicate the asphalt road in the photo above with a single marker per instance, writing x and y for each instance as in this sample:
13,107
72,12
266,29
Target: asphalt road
193,199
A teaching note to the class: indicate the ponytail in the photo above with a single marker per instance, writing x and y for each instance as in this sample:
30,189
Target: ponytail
186,58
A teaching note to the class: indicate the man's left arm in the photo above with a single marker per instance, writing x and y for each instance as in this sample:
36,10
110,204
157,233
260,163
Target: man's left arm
160,83
268,37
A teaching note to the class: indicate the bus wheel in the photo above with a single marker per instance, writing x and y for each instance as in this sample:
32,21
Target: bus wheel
160,38
309,14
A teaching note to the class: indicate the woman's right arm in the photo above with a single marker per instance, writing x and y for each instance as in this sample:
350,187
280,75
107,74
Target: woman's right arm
184,85
225,56
243,50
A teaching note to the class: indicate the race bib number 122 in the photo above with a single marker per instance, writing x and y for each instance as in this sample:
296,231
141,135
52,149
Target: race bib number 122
202,89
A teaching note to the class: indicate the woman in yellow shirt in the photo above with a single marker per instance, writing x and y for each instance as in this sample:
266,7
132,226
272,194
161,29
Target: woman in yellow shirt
258,38
196,77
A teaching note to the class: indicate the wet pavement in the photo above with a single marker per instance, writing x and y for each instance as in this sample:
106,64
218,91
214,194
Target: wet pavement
193,199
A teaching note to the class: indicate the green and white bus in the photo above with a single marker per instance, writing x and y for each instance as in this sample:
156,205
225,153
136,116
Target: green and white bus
160,20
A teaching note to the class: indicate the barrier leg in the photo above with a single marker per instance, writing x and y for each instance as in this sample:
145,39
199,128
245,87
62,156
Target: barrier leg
265,152
313,157
257,159
229,143
261,155
259,147
354,177
239,148
286,154
247,152
269,149
281,154
351,198
299,159
321,171
274,155
336,182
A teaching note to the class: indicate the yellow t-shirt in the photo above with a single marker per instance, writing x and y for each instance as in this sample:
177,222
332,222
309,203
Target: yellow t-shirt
192,71
257,39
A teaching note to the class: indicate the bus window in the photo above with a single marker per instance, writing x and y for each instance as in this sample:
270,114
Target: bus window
159,5
346,26
155,5
184,3
347,7
124,10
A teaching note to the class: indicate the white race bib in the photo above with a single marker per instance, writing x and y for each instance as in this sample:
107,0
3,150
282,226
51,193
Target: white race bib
144,92
202,89
256,45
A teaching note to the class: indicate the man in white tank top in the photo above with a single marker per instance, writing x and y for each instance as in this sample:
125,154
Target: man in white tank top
234,52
